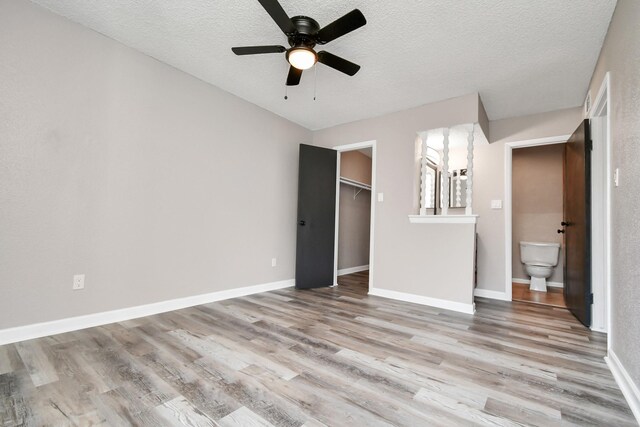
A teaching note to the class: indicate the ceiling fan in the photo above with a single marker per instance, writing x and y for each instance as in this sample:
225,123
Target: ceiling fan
303,34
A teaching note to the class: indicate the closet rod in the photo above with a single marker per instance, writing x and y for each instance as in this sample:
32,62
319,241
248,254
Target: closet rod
355,183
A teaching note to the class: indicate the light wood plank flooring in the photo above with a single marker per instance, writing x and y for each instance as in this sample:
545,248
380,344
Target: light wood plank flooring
553,297
333,356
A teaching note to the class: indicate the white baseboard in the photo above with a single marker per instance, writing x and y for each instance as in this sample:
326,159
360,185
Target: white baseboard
419,299
627,386
352,270
555,284
37,330
486,293
550,284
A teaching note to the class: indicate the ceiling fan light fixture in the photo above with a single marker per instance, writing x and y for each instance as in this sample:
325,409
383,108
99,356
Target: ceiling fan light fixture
302,57
303,35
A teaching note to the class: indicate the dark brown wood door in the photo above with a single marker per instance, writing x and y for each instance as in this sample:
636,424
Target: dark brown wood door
316,217
577,224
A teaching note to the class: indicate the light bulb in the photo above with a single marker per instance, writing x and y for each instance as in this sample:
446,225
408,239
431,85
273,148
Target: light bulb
301,58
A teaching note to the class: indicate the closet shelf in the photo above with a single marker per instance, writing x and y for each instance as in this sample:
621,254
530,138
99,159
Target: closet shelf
354,183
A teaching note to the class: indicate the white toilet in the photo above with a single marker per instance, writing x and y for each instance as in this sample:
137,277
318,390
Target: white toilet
539,260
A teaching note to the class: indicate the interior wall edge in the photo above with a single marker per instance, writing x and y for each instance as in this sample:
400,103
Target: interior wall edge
38,330
352,270
487,293
422,300
629,389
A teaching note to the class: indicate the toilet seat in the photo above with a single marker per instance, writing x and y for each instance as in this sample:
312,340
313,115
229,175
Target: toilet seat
540,264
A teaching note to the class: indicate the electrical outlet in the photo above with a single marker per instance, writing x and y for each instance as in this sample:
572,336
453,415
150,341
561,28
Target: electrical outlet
380,197
274,262
78,282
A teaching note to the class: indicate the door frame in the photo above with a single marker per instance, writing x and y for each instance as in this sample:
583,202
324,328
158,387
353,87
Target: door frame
351,147
600,118
508,203
601,159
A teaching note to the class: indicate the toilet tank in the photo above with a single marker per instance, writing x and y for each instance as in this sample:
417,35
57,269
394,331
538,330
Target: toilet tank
539,253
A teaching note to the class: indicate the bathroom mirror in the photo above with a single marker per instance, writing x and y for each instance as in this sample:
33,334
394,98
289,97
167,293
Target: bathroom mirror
431,184
457,188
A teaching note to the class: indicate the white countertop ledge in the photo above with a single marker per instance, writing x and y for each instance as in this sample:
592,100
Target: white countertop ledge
443,219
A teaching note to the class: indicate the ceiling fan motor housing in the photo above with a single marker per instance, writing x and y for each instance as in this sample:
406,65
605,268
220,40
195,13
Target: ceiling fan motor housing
306,32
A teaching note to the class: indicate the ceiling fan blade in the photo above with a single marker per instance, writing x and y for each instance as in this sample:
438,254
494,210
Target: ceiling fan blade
341,26
278,14
254,50
338,63
293,79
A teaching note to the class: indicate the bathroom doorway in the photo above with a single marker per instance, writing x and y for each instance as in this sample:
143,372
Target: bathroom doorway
603,179
355,215
537,253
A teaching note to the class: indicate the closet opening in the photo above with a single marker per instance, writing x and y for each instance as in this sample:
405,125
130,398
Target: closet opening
354,216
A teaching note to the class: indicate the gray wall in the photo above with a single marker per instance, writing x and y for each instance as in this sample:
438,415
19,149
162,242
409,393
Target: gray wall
621,56
421,259
353,229
356,166
489,176
152,183
537,188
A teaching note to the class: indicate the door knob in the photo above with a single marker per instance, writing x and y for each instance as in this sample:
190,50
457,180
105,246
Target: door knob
561,230
564,223
301,222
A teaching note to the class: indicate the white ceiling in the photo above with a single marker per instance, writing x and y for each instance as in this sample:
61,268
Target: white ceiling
522,56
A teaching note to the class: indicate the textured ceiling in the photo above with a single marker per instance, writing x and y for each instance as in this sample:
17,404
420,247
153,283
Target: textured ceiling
522,56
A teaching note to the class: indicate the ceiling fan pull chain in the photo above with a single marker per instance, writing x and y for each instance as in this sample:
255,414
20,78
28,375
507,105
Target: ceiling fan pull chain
286,88
315,80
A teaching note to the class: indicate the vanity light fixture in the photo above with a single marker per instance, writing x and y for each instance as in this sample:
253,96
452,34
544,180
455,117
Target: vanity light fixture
460,173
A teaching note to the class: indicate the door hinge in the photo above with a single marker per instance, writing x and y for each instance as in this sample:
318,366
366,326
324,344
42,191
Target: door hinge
590,299
590,144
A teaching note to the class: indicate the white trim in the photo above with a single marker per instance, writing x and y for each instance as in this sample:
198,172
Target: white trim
374,186
508,172
601,207
374,160
443,219
486,293
352,270
355,146
560,139
37,330
587,104
598,105
528,282
627,386
419,299
337,221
